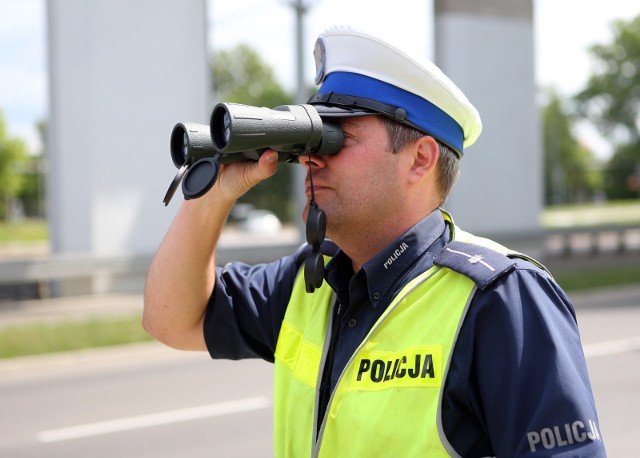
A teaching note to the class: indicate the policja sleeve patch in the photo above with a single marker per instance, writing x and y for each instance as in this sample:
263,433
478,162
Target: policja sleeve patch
481,264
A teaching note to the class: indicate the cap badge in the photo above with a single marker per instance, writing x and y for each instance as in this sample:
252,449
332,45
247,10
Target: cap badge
320,56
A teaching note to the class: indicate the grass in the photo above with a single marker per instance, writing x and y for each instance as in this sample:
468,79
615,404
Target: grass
592,215
29,230
36,339
603,277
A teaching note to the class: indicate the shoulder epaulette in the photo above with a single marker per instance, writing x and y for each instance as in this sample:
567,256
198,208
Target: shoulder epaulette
481,264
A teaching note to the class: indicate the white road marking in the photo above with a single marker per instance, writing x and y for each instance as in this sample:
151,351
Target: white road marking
245,405
155,419
612,347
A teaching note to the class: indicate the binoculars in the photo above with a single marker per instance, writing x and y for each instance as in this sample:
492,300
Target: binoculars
242,133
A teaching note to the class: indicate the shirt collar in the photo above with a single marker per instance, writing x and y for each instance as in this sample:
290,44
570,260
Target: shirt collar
385,269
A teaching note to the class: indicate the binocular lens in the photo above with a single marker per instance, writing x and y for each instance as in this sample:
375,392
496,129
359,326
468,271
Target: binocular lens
227,127
185,147
190,142
179,145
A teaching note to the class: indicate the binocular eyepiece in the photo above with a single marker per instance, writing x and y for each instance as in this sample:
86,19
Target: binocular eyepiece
242,133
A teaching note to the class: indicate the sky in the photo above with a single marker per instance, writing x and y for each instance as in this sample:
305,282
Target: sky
564,29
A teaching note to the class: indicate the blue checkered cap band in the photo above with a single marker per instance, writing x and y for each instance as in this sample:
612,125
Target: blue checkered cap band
356,64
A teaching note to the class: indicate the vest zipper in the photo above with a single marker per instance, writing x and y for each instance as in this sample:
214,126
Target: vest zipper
317,438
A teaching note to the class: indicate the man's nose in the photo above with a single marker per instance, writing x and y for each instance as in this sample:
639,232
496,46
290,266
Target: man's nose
310,160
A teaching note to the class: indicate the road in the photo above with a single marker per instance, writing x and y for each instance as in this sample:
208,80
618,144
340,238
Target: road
609,325
140,401
148,400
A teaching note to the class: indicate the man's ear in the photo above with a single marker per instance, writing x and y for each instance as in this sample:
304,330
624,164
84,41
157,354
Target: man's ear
425,156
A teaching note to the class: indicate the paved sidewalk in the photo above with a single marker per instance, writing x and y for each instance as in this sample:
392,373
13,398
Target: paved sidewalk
80,308
614,296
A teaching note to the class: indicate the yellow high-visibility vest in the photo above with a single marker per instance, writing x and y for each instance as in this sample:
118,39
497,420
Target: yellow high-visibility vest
387,400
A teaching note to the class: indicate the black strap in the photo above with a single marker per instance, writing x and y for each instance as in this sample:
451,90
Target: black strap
349,101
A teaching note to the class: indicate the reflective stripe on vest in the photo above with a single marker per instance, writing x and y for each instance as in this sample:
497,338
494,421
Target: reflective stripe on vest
387,400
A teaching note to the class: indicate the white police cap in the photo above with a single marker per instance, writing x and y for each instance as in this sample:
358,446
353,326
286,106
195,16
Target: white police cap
360,74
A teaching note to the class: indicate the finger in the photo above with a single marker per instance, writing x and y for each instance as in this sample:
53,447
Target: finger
268,163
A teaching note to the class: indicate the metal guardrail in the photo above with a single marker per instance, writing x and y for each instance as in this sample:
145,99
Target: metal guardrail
40,275
51,275
592,240
62,267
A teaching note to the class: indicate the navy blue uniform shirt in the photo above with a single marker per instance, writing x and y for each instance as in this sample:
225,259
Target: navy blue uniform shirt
517,382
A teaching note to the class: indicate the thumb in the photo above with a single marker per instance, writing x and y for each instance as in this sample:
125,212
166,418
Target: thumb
267,164
263,168
236,179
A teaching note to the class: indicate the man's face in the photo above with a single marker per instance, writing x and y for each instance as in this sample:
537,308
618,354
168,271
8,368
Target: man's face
360,185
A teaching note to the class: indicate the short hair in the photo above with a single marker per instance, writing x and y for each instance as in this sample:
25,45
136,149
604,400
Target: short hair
448,164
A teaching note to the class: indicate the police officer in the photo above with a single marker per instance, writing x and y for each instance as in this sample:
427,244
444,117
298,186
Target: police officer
420,339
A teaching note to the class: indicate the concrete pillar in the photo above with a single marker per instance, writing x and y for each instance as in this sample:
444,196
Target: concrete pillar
121,74
486,48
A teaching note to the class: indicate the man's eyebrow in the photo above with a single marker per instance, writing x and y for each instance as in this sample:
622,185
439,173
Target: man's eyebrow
347,122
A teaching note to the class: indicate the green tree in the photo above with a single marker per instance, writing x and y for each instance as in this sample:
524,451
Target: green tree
13,155
32,191
570,175
241,76
622,175
611,101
